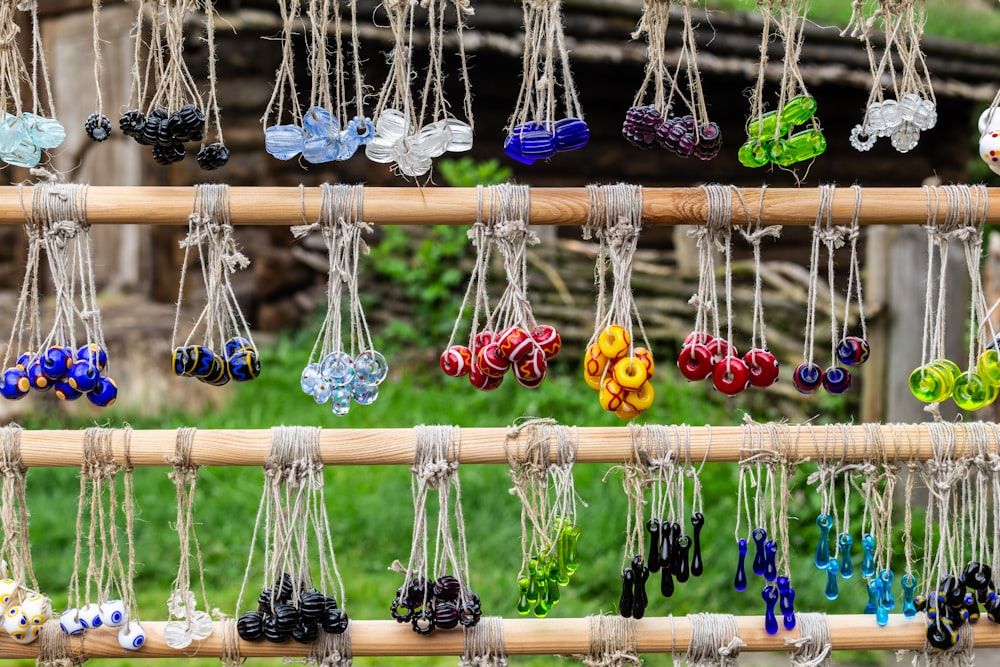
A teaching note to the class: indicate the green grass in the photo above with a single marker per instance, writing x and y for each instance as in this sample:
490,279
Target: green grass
371,511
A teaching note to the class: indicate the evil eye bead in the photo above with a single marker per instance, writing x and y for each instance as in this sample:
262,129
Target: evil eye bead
695,362
17,626
244,365
338,369
131,637
235,344
56,362
36,378
456,361
37,608
90,616
65,391
83,376
370,367
93,353
14,384
340,401
23,362
4,569
113,613
836,380
763,367
8,587
364,393
104,394
807,377
184,360
69,623
853,351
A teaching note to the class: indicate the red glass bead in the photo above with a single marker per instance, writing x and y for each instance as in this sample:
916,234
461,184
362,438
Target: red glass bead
456,361
695,362
763,367
515,343
547,338
490,361
481,380
731,375
720,349
702,337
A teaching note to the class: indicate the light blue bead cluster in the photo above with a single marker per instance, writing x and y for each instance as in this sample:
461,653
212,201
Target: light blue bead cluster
319,139
412,149
23,137
339,378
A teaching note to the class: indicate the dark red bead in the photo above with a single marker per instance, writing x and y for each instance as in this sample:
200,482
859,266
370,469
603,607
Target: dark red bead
695,362
731,376
763,367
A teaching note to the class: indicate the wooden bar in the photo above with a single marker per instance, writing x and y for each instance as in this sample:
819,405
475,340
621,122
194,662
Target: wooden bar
457,206
395,446
566,636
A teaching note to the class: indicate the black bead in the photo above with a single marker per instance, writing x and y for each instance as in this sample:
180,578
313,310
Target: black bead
271,632
305,633
264,601
417,592
150,133
213,156
132,123
312,604
98,127
285,587
941,634
977,576
470,613
445,614
286,617
447,588
185,123
423,622
400,611
330,602
167,155
250,626
334,621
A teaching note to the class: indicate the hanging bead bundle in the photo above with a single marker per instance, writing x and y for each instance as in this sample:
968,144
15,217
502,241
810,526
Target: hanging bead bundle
657,465
227,351
549,558
435,592
340,371
57,227
511,339
914,108
655,124
620,371
169,110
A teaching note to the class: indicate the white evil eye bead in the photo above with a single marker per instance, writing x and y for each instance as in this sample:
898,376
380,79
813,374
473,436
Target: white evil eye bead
37,608
131,637
69,621
4,569
113,613
8,587
16,624
90,616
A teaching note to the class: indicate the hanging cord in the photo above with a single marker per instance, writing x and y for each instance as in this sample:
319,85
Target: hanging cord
612,642
484,646
16,548
813,647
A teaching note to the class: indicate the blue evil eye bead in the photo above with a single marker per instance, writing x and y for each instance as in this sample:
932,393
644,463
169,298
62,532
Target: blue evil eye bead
244,365
571,134
15,384
836,380
314,384
83,376
23,362
65,391
235,344
340,401
104,394
284,142
184,359
131,637
95,354
338,369
371,367
69,623
807,378
853,351
36,378
8,587
90,616
364,393
56,362
113,613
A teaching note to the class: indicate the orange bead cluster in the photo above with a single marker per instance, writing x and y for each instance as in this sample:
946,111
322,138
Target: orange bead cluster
491,355
622,380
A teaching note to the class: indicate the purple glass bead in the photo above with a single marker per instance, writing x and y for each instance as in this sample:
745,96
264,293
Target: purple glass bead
710,133
853,351
836,380
807,377
686,144
688,123
571,134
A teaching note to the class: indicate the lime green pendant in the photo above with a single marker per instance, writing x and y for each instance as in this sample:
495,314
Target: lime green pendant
930,384
988,367
972,392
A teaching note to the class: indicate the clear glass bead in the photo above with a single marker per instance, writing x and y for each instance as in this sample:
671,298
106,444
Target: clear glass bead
380,150
179,602
432,140
392,124
861,139
176,635
905,137
338,369
371,367
284,142
908,105
925,118
340,401
200,625
364,393
891,115
314,384
875,118
461,136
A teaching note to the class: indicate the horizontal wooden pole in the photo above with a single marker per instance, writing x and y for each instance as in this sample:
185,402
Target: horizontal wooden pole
563,636
395,446
457,206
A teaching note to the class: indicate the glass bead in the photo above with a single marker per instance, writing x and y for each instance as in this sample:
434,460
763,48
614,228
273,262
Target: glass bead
766,127
432,140
94,353
371,367
925,117
905,137
83,375
512,148
176,635
988,366
909,584
891,115
836,380
875,119
989,120
24,154
363,129
380,150
461,136
571,134
340,401
908,105
338,369
824,522
318,122
832,590
868,560
392,125
413,164
314,384
348,144
740,580
807,377
536,142
284,142
13,131
65,392
36,378
770,596
754,153
972,392
44,132
930,385
888,599
104,394
364,393
862,140
798,110
243,365
845,542
317,150
799,147
853,351
201,624
56,362
14,384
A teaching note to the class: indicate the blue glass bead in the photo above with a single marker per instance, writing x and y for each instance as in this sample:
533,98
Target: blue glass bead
512,147
24,154
533,141
235,344
318,122
845,543
15,384
284,142
371,367
888,599
184,360
786,599
340,401
36,378
868,562
571,134
363,129
23,362
218,374
348,144
759,536
13,131
93,353
104,394
205,362
881,615
244,365
807,378
853,351
364,393
770,560
317,150
836,380
832,590
770,596
909,584
740,581
65,391
314,384
338,369
874,594
56,362
83,375
44,132
824,522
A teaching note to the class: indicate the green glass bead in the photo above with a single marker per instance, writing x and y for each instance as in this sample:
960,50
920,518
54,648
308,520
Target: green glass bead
523,606
988,367
766,126
930,384
754,153
973,392
798,110
572,557
949,367
543,607
553,592
533,592
560,574
799,147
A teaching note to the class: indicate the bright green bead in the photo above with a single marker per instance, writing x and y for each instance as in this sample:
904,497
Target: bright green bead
798,110
973,392
950,369
543,607
930,384
553,592
572,558
754,153
799,147
988,367
523,606
533,592
764,127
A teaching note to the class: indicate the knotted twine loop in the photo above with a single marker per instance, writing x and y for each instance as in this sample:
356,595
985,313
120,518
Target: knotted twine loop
814,646
613,642
211,234
484,645
54,648
16,547
715,641
230,655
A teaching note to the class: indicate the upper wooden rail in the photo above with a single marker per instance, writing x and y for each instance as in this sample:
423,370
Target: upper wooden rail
457,206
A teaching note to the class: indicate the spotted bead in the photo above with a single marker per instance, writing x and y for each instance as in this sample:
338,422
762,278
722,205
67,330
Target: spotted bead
15,384
56,362
104,394
93,353
66,392
83,375
371,367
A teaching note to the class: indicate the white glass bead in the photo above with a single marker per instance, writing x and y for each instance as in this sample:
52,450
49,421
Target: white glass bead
861,139
176,635
90,616
114,613
905,137
989,150
908,105
461,136
392,124
201,625
432,140
4,569
989,120
925,117
891,115
131,637
69,622
380,149
8,589
37,608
